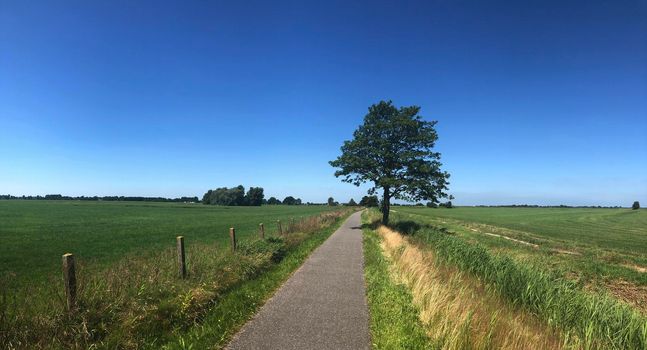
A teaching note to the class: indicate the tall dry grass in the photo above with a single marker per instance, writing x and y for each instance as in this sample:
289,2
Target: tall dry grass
458,311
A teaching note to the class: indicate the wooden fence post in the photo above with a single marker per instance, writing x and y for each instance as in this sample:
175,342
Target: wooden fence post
262,231
280,228
181,258
232,238
69,276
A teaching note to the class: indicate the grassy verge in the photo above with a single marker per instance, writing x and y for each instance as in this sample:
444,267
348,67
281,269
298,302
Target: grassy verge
456,309
140,302
602,248
238,306
591,320
394,320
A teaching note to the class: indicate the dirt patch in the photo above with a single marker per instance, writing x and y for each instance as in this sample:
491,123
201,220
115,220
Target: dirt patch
556,250
506,237
569,252
635,267
630,293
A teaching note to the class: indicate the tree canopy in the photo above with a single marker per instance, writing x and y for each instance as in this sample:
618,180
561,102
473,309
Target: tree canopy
289,200
369,201
393,149
234,196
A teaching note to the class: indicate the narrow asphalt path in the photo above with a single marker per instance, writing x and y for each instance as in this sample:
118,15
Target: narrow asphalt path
322,306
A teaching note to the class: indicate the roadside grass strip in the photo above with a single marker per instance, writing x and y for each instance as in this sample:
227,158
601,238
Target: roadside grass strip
394,322
458,311
585,319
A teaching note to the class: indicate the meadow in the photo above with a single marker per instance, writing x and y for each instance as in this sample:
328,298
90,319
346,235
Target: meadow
129,291
622,230
35,234
517,278
602,249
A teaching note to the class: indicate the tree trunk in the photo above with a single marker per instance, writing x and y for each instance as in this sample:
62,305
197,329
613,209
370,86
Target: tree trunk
386,206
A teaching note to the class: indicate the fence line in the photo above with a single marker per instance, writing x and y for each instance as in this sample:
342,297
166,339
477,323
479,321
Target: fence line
69,267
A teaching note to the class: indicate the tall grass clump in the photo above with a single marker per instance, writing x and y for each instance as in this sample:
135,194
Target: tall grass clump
457,309
140,301
596,320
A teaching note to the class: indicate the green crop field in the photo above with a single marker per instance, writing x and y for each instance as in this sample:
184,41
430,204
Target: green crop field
602,249
35,234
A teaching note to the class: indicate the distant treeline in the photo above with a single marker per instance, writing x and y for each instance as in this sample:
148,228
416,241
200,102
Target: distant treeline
548,206
58,197
236,196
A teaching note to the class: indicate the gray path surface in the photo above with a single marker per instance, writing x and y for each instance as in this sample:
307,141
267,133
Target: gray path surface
322,306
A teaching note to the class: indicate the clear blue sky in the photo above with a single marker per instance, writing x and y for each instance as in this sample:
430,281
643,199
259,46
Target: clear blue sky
537,101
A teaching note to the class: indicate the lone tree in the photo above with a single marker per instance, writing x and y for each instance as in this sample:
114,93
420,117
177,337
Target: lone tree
635,206
393,149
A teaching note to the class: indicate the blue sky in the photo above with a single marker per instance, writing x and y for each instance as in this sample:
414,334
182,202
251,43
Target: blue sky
537,101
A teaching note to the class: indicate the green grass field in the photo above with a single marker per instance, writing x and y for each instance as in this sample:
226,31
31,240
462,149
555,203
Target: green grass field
129,293
601,249
621,230
36,233
579,273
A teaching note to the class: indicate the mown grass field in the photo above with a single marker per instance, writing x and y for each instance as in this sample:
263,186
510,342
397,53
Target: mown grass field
621,230
35,234
130,295
601,249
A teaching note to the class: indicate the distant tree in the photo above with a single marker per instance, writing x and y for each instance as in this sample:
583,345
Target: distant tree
432,205
352,203
254,196
449,204
273,201
331,201
369,201
419,205
228,196
289,200
237,195
206,199
298,201
635,206
393,149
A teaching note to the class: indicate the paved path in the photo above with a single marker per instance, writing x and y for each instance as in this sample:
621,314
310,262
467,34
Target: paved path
322,306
